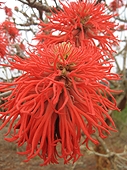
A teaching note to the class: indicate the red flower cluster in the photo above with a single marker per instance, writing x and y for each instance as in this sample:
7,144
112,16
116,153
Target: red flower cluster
3,45
122,27
64,90
10,28
81,23
60,96
115,4
9,34
8,11
3,42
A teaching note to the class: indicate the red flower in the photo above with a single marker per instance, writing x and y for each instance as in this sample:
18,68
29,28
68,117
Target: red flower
121,27
62,94
8,34
22,46
11,29
3,45
115,4
8,11
82,23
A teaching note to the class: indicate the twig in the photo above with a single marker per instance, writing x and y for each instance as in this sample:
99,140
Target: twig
40,6
102,143
5,94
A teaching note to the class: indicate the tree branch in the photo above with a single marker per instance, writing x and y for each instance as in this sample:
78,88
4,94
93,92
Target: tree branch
40,6
5,94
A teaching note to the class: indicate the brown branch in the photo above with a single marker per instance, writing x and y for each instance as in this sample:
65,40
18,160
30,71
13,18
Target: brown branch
27,24
102,143
99,1
40,6
31,2
120,19
5,94
110,154
118,67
